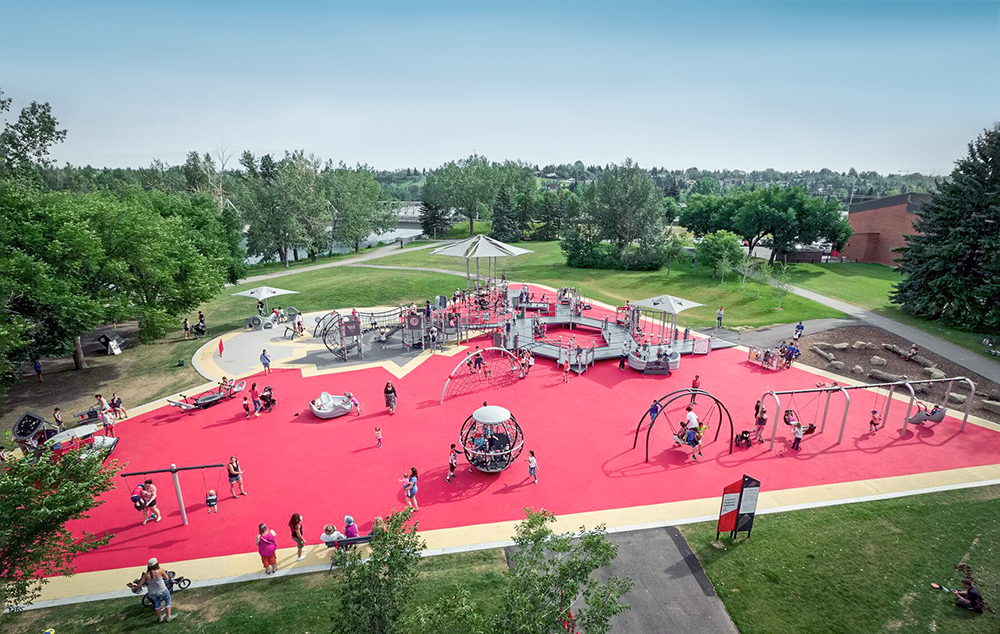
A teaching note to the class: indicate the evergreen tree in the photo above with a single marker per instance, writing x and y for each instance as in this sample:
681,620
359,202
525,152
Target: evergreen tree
504,218
950,261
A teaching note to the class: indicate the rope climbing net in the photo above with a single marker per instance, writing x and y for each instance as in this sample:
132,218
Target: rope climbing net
482,368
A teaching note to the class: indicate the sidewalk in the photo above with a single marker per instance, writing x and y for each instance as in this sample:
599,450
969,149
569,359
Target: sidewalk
968,360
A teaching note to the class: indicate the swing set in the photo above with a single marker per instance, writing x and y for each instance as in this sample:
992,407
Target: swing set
918,419
716,409
174,470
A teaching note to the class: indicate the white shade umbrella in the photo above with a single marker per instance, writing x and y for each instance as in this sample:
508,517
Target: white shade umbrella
667,305
480,246
263,293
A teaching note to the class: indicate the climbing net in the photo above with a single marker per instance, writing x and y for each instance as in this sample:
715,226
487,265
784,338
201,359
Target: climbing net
482,368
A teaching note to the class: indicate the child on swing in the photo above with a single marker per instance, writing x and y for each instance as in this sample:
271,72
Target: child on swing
874,421
212,501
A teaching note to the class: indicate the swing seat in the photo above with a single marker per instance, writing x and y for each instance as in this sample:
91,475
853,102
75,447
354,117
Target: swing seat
937,416
918,419
809,430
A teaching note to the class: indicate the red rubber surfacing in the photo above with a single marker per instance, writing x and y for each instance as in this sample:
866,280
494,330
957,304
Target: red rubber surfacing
581,432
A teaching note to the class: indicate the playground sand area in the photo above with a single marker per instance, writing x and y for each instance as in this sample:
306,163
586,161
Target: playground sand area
896,365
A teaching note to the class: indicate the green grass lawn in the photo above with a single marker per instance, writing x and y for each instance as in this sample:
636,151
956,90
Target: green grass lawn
460,230
859,568
547,265
868,286
300,604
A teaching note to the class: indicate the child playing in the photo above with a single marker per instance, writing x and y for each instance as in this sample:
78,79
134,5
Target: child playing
565,371
246,406
532,466
378,436
212,501
760,425
799,433
874,421
109,423
355,403
452,463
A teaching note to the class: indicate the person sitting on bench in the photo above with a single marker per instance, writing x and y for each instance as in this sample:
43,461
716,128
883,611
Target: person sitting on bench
331,535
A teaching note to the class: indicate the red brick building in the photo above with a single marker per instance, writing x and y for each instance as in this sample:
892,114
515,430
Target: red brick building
879,227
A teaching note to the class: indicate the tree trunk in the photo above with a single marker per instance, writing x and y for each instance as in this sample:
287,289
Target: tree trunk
284,257
295,254
472,226
78,360
770,261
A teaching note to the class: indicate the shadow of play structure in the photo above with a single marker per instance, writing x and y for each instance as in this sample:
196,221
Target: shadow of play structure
918,418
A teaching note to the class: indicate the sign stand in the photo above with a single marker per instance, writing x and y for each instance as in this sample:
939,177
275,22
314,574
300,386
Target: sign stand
739,505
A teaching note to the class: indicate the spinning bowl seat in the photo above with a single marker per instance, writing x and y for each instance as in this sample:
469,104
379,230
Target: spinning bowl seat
491,439
327,406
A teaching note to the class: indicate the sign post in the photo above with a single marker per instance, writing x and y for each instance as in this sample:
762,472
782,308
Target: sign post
739,505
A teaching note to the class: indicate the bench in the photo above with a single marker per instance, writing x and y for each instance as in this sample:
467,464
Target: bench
347,542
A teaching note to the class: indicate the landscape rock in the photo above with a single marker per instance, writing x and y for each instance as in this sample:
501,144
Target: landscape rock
836,365
922,388
826,355
822,345
841,346
934,373
885,377
872,346
858,369
992,406
961,385
877,360
958,399
994,395
859,345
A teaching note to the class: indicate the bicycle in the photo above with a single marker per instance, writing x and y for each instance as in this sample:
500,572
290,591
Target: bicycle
171,581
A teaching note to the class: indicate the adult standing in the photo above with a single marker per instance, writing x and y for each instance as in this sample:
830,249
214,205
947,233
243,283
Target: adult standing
235,473
155,580
654,411
148,497
390,397
265,360
798,331
255,397
410,489
267,546
38,370
295,526
695,385
718,316
623,357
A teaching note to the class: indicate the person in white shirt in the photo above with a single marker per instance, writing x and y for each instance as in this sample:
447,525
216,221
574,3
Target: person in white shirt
331,534
692,419
532,466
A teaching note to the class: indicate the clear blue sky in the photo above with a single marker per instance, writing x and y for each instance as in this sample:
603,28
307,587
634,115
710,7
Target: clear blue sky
895,86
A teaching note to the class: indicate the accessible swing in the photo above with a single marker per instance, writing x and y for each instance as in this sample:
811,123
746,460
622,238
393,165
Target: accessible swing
791,416
925,415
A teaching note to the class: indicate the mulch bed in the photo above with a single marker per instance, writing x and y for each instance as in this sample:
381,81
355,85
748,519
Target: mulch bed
895,365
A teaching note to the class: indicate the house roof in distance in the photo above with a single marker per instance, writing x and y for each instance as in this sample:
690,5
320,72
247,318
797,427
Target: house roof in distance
912,201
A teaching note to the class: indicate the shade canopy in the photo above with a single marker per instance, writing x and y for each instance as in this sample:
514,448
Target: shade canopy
666,304
264,292
480,246
491,414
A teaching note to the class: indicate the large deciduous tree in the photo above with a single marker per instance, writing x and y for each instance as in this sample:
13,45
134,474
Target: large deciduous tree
468,187
25,143
359,206
952,260
37,500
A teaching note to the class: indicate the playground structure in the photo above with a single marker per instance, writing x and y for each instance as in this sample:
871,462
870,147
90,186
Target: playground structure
174,470
209,398
363,330
496,368
917,419
326,406
716,407
491,439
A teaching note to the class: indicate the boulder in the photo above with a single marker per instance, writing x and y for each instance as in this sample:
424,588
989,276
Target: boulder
859,345
836,365
922,388
934,373
826,355
841,346
992,406
960,385
858,369
885,377
872,346
879,361
822,345
994,395
958,399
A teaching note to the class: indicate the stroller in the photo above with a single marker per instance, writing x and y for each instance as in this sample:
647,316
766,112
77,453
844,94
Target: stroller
743,439
267,399
199,329
173,582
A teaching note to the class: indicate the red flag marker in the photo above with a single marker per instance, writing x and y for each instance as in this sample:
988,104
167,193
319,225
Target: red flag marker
220,347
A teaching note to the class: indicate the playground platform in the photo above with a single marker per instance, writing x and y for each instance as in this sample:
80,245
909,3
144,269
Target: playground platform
582,432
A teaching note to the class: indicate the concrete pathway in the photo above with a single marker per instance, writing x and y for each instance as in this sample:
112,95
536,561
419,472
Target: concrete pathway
771,336
672,593
390,249
965,358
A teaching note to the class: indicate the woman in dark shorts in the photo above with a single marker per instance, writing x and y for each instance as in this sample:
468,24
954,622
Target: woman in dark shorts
295,526
235,476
